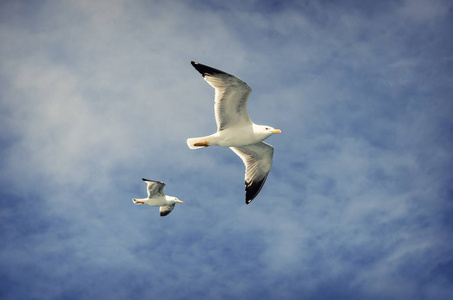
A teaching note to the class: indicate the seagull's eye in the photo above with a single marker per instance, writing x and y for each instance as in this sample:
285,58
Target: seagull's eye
267,128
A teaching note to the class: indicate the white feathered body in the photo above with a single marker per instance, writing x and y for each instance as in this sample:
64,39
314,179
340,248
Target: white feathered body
234,136
157,200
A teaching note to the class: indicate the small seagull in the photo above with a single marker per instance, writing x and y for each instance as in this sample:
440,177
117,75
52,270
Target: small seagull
156,197
235,129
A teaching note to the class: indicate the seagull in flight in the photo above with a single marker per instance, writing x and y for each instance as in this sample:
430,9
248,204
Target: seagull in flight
236,130
156,197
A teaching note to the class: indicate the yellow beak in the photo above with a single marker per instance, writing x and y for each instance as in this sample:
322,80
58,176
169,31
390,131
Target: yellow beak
276,131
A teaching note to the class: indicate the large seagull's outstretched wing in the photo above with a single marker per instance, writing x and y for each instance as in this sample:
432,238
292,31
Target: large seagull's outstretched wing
257,159
231,95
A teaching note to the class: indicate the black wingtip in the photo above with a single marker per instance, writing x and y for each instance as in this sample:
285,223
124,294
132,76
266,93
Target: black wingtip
144,179
252,189
163,214
205,70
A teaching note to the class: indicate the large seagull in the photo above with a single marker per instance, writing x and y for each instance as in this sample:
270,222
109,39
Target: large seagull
235,129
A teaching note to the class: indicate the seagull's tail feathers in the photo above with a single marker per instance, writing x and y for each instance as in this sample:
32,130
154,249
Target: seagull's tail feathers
137,201
199,142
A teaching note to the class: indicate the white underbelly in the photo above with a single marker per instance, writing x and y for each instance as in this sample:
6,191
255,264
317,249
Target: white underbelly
237,137
157,201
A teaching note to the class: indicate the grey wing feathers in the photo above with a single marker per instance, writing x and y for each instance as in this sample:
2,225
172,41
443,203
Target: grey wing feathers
231,96
154,187
257,159
165,210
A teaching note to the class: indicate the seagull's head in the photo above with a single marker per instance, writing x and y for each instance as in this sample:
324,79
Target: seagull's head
176,200
266,131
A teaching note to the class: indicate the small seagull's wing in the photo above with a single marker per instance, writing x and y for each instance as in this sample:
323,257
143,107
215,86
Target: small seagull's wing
165,210
155,188
231,96
257,159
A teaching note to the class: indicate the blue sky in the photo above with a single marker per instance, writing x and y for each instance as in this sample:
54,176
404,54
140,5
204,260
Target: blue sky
96,95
